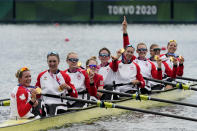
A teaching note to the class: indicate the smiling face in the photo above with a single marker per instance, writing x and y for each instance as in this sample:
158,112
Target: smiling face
172,46
129,53
155,50
53,63
92,65
141,50
72,60
25,80
104,56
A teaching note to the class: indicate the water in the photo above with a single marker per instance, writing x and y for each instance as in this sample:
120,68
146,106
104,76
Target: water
28,45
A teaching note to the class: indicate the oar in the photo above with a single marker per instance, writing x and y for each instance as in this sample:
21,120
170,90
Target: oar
4,99
120,84
186,78
144,97
5,102
111,105
178,85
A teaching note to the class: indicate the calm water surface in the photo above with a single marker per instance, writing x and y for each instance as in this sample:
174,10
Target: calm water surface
28,45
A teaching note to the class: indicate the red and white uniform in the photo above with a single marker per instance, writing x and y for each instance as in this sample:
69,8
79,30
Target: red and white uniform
107,73
82,83
170,64
49,83
98,80
19,103
125,73
148,69
166,69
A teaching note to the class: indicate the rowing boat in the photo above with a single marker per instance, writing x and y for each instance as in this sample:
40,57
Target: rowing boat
89,114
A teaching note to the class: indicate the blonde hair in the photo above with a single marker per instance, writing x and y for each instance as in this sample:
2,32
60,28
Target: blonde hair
92,58
70,54
141,44
20,71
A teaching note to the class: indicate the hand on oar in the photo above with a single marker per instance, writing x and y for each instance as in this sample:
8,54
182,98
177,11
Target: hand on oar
111,105
135,82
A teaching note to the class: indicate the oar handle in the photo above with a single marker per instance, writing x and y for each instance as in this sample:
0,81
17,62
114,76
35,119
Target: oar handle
186,78
178,85
116,85
4,99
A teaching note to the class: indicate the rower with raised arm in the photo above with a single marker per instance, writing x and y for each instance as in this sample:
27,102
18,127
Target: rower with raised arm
127,71
56,82
170,56
80,79
148,69
95,78
23,97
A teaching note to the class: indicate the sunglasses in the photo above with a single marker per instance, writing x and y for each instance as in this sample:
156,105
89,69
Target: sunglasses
73,59
52,53
142,49
54,61
104,55
92,66
156,49
129,46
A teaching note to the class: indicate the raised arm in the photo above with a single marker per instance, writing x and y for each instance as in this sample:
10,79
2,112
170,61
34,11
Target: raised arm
125,34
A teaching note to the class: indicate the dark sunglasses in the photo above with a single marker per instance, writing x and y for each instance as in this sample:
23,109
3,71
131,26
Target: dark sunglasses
54,61
104,55
73,59
142,49
92,66
129,46
157,49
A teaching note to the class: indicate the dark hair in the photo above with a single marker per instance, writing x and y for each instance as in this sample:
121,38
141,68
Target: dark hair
153,45
92,58
129,46
104,48
53,54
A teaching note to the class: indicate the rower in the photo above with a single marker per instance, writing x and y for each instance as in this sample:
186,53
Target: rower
127,71
56,82
24,103
170,56
148,69
80,79
166,70
95,78
104,67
